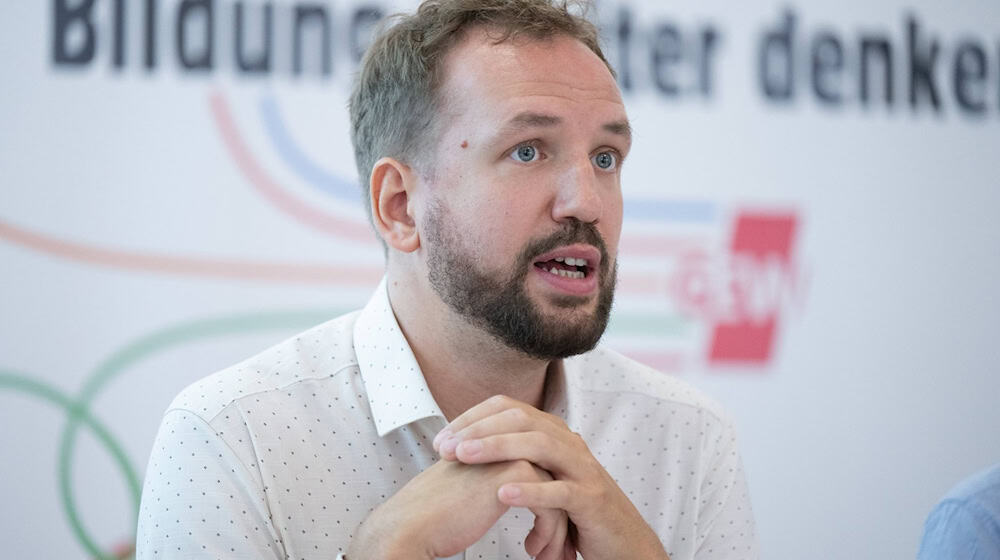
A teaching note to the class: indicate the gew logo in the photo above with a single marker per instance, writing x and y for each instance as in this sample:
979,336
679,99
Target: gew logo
741,294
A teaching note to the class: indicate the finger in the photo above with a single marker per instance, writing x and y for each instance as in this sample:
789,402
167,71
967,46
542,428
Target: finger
549,452
489,407
569,551
495,415
511,420
556,545
556,494
546,525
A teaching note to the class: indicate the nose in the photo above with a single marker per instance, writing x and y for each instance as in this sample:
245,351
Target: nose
578,194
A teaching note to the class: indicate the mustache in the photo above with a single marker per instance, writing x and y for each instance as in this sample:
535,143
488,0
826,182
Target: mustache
573,231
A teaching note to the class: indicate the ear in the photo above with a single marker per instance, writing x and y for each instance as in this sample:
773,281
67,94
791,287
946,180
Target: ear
391,185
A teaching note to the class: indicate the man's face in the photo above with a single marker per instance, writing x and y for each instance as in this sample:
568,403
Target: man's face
521,213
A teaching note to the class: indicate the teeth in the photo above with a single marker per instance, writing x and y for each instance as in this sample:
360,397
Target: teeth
571,261
567,273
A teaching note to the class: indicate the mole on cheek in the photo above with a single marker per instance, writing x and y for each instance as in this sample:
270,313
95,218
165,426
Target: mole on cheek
465,143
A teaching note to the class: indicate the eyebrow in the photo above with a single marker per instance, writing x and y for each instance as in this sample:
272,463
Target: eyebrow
529,119
621,128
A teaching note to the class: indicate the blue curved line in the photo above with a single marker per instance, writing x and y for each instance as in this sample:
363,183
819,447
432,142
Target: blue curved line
298,161
636,209
673,211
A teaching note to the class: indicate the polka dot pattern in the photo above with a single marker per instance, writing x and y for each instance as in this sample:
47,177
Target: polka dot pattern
285,454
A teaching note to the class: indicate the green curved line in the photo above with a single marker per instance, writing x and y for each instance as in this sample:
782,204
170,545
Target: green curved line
139,350
78,413
193,330
649,324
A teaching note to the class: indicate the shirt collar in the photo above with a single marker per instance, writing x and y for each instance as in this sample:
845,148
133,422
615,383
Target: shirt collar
397,391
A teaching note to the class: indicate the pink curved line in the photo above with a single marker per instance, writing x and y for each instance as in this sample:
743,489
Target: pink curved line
654,245
192,266
666,362
272,191
631,283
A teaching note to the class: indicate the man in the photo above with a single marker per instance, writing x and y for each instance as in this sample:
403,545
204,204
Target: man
463,411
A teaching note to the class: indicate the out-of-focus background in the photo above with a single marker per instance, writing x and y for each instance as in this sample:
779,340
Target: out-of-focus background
811,236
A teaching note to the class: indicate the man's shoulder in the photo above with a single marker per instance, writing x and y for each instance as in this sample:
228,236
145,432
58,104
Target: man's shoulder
604,370
321,352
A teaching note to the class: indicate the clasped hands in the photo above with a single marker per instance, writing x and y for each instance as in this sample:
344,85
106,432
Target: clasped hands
499,454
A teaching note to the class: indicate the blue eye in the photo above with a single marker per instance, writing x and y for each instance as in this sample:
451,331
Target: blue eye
525,153
606,160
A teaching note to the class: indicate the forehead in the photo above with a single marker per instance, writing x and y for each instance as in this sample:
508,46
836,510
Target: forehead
556,75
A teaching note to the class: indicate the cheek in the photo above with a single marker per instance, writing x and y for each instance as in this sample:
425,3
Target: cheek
612,220
496,225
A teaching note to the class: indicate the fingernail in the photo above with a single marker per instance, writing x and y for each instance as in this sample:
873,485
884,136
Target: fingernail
472,447
442,435
448,445
510,492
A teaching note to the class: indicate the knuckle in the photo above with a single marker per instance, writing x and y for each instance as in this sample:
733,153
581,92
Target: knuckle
567,494
518,415
596,495
548,517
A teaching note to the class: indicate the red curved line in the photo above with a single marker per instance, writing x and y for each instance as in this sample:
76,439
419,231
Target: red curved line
192,266
271,190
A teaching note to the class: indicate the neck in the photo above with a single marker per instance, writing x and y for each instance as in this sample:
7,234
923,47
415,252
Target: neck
462,365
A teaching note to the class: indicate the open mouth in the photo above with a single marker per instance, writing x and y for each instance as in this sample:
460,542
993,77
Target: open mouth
567,267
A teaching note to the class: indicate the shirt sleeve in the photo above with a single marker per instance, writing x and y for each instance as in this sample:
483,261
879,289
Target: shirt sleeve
726,529
199,500
956,529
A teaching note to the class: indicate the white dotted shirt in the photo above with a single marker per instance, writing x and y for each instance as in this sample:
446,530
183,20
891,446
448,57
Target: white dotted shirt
285,454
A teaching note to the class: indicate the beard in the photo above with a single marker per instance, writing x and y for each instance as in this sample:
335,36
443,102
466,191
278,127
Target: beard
498,303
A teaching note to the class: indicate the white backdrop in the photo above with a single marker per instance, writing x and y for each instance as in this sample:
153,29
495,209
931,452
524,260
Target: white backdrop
818,249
